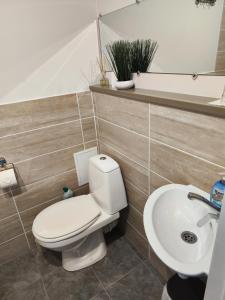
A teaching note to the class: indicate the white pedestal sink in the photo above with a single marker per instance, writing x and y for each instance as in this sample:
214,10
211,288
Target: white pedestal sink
171,223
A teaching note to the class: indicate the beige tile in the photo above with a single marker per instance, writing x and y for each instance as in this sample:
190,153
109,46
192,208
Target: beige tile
88,126
220,61
14,248
194,133
222,41
135,197
90,144
27,145
128,113
29,215
45,190
82,190
7,207
182,168
223,20
135,219
9,228
157,181
85,104
130,144
137,241
131,171
45,166
34,114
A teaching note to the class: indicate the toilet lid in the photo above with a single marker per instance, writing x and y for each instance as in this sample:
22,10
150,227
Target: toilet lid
66,216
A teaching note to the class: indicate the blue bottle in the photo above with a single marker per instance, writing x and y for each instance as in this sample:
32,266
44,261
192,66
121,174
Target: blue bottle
217,192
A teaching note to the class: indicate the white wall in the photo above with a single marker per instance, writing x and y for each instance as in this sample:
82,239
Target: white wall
187,35
48,47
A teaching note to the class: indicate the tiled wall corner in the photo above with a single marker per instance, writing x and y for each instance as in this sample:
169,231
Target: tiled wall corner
220,61
40,137
154,146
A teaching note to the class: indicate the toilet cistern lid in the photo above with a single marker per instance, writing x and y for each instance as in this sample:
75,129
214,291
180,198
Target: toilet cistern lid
72,215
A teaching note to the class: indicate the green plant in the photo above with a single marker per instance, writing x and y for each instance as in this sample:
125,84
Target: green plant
142,53
119,54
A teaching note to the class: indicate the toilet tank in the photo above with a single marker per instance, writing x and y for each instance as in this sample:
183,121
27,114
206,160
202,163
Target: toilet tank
106,183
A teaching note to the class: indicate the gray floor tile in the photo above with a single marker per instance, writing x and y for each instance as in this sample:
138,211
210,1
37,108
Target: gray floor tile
120,259
33,291
101,296
48,261
140,283
79,285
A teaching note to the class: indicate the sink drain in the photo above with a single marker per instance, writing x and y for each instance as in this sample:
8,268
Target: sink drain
189,237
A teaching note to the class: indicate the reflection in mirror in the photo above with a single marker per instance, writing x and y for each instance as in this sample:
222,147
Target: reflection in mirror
190,34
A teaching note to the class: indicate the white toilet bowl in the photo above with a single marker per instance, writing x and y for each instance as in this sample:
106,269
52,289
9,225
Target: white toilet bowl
74,226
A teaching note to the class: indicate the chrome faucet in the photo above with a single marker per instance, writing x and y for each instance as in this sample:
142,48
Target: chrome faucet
192,196
207,218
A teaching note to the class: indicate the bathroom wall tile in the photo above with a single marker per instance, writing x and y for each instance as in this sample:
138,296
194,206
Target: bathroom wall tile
90,144
9,228
130,144
29,215
220,61
45,166
131,114
222,41
13,248
27,145
182,168
223,20
137,241
157,181
194,133
7,207
85,104
88,126
131,171
45,190
34,114
135,197
135,218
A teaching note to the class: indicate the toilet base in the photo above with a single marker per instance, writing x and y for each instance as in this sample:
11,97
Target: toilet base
86,252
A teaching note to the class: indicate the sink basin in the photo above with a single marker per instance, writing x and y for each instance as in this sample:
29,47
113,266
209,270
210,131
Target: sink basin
170,222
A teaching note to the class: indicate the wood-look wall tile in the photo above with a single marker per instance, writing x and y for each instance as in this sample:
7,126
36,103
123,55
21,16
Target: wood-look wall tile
29,215
7,206
135,197
90,144
88,126
45,166
181,168
134,146
135,218
194,133
13,248
157,181
131,171
128,113
222,41
34,114
9,228
220,61
223,20
27,145
85,104
137,241
45,190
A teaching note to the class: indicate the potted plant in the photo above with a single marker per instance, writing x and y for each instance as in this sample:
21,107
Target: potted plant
142,53
119,55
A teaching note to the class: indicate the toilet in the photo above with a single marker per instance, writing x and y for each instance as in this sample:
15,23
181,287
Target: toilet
75,226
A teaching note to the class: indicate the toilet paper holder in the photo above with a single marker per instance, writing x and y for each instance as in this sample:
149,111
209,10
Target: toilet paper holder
4,165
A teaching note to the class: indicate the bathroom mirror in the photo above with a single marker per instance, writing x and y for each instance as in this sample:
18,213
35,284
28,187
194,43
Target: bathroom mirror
189,35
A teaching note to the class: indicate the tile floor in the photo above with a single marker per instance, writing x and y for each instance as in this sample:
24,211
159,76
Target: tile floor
121,275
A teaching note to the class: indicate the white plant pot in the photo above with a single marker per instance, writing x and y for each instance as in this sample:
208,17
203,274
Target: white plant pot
124,85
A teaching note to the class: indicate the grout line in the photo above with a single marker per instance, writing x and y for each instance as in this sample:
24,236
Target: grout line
102,285
105,144
169,181
187,153
96,131
149,149
47,153
131,131
8,217
81,126
28,243
44,288
5,242
137,231
135,187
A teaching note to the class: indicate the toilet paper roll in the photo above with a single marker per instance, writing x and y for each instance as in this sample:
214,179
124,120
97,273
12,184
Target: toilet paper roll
7,178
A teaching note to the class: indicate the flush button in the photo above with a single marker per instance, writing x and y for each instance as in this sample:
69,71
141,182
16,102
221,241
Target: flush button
102,158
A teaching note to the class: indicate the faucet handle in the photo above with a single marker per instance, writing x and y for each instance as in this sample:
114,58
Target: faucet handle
192,196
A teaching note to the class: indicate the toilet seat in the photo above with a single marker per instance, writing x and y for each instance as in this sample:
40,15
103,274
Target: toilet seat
66,218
